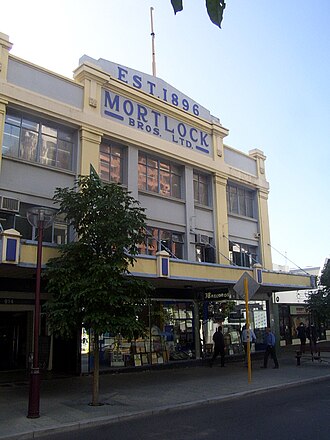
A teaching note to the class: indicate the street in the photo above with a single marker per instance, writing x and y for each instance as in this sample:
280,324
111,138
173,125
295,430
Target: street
296,413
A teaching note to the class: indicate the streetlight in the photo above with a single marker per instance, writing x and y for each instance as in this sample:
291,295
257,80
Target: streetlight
40,218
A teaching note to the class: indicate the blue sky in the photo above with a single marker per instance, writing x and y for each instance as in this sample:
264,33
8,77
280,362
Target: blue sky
265,74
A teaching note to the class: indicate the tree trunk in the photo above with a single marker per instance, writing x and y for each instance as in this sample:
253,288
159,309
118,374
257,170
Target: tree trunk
96,372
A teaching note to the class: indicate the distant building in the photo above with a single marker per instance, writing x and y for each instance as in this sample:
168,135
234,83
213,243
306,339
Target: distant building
292,307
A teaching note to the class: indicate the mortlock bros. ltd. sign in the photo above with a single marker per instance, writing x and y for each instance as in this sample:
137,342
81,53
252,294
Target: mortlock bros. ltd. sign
141,117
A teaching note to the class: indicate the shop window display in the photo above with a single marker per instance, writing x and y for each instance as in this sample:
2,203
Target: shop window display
169,337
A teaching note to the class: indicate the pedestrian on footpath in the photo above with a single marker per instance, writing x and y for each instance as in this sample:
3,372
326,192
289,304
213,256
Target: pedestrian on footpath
244,337
312,336
270,348
219,346
301,333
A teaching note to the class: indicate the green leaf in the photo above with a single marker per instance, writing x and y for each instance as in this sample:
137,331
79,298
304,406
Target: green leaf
215,10
177,5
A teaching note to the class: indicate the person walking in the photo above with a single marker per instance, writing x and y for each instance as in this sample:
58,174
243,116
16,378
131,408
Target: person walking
252,338
270,348
311,334
219,347
301,333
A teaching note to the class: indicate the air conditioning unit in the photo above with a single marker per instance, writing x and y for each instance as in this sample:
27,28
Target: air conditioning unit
202,239
8,204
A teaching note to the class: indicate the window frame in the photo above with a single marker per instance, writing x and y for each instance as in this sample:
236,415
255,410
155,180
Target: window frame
201,198
43,131
155,239
112,155
245,254
160,176
240,201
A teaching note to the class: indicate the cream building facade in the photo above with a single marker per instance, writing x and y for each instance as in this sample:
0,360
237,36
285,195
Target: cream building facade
206,202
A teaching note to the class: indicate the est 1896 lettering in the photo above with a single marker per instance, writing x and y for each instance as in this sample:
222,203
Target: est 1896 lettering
161,92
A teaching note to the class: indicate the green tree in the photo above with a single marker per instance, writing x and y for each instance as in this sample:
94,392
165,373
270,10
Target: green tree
90,280
319,302
215,9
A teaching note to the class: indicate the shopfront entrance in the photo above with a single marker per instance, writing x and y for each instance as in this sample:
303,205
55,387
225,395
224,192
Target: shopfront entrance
13,340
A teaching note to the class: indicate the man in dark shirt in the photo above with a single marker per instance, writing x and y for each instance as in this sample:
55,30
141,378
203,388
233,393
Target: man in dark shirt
301,333
219,347
270,348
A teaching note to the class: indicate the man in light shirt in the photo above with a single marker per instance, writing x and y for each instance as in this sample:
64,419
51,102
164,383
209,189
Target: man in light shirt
245,340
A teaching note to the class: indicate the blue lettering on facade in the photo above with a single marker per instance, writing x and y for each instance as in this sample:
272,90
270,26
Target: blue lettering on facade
137,81
122,74
143,118
151,85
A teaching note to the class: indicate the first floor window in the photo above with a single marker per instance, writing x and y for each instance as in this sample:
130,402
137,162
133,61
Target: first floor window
111,162
242,254
240,201
163,240
159,176
201,188
33,139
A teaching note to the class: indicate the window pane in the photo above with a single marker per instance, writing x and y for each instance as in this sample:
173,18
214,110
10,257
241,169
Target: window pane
7,220
65,135
105,148
104,167
28,146
30,125
249,205
48,130
165,187
164,166
115,170
203,194
142,177
233,200
152,163
176,186
11,140
13,120
142,158
48,151
60,233
241,200
177,249
196,191
176,169
152,182
23,226
64,154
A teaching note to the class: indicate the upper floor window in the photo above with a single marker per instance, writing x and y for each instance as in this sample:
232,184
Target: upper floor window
111,163
159,176
201,188
32,139
163,240
240,201
242,255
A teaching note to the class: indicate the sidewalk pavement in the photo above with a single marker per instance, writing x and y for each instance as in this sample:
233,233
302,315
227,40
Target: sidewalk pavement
64,402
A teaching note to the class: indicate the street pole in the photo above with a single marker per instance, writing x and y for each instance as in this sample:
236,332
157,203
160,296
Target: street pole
40,218
248,351
34,393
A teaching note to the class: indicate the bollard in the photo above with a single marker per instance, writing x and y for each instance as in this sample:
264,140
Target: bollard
298,357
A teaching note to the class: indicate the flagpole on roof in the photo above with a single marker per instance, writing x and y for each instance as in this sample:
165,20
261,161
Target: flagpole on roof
153,42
